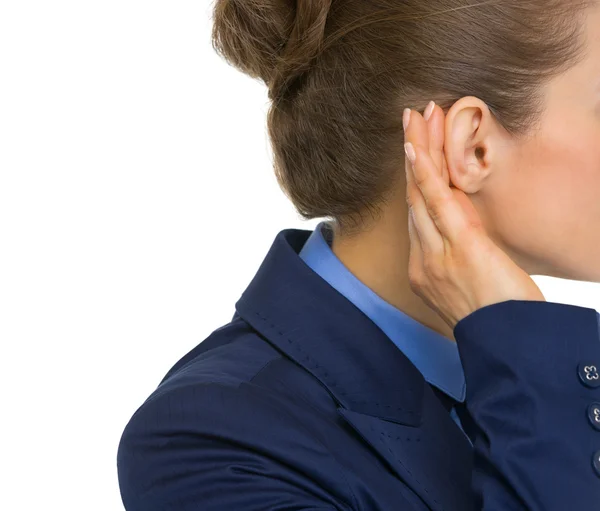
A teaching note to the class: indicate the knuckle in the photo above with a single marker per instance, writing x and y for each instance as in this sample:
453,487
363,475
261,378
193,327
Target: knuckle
475,225
420,180
415,287
415,278
437,207
411,197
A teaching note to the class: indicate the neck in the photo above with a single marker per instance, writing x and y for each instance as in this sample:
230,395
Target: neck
378,257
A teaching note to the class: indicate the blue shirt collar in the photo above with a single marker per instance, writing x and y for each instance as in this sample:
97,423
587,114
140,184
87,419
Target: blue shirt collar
434,355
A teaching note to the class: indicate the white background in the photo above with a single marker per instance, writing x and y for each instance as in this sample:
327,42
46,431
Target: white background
137,200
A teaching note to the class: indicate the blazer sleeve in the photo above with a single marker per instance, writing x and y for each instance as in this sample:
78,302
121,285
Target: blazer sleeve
213,447
533,397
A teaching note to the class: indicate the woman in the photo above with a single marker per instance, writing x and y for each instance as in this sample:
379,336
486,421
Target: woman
400,356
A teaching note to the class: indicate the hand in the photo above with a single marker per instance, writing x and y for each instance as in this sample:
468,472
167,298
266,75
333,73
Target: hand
454,266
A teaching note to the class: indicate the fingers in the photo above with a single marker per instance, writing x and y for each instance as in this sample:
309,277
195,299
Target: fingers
438,214
429,238
415,241
436,126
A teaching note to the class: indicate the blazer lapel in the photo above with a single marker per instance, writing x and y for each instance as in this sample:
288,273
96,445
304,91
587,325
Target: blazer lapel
379,392
435,459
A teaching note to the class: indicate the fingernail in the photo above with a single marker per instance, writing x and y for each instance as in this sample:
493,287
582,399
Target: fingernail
410,152
429,110
406,118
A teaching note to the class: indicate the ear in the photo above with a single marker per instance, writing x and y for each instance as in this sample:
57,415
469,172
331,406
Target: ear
468,143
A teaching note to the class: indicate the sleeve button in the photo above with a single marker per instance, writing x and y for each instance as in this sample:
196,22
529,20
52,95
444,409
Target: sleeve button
593,413
596,462
589,374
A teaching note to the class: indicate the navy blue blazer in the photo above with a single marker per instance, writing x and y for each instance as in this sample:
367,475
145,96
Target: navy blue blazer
282,408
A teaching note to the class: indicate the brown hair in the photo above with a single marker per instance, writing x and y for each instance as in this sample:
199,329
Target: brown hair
340,74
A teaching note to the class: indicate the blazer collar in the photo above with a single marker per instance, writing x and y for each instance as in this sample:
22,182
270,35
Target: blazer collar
436,356
320,329
380,393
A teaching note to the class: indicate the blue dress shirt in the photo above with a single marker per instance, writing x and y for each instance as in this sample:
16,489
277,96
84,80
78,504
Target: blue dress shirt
434,355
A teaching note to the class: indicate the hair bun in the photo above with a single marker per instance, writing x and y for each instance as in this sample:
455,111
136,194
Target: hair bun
274,40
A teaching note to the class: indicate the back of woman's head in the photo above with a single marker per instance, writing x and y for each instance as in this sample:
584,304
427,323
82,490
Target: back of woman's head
340,73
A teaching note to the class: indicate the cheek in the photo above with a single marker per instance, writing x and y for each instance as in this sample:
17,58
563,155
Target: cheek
563,182
547,208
